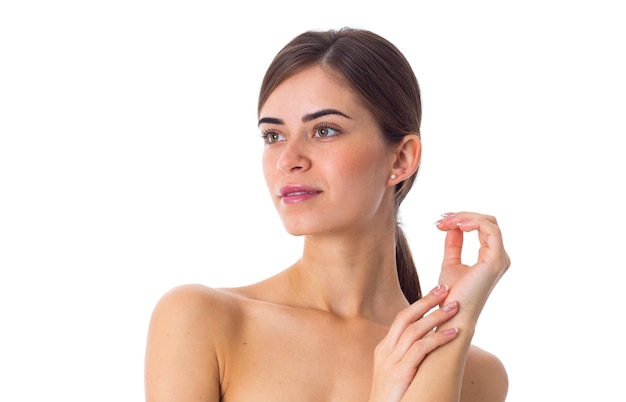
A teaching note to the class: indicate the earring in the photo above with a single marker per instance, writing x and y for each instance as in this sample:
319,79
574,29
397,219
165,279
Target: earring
393,177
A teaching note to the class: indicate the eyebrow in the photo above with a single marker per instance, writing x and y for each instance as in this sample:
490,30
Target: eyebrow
306,117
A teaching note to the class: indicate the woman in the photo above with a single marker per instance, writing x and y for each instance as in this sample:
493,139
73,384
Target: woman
339,113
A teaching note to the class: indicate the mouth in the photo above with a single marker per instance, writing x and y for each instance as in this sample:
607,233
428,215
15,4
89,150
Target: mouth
294,194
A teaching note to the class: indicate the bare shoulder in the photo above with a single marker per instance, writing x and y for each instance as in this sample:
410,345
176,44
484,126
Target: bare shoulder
485,378
194,301
195,309
189,329
197,313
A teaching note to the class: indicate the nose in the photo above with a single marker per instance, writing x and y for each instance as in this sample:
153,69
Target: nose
294,156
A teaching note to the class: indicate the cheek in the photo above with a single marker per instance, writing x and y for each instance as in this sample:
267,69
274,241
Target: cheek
363,163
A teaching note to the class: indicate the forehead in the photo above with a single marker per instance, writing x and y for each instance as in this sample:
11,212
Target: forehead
312,88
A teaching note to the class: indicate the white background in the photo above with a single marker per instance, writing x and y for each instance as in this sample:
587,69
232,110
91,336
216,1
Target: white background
130,163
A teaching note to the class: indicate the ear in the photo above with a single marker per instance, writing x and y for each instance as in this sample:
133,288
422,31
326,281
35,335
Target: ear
407,158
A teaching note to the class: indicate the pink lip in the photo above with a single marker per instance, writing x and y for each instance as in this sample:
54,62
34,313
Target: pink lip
294,194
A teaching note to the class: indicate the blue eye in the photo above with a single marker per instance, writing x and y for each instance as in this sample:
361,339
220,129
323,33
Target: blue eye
325,131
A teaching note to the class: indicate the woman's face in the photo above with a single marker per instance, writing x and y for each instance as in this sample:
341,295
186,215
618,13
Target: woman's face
325,161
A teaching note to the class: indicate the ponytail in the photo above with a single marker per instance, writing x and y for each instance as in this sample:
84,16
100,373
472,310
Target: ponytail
407,273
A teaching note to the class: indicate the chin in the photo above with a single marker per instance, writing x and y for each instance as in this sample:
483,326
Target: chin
303,227
296,230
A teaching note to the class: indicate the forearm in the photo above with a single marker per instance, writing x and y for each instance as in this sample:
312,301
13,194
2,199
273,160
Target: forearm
440,375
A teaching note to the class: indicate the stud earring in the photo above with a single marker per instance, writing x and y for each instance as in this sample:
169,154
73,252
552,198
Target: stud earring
393,177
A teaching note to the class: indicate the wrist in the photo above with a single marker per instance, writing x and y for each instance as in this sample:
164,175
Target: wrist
465,325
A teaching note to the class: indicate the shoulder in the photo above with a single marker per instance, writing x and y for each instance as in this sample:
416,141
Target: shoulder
189,329
485,378
195,312
192,299
192,305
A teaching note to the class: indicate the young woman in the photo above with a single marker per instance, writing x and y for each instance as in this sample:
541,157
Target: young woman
339,112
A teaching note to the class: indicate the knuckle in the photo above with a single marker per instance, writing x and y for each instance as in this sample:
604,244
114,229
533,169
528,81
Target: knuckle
404,316
419,348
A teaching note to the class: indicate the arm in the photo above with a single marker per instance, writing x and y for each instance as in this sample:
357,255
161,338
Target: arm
410,338
181,361
440,375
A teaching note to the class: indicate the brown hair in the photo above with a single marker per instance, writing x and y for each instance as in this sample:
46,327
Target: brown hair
380,73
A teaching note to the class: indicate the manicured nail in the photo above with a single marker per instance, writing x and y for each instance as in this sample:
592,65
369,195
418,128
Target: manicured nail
450,307
450,331
439,290
462,223
445,217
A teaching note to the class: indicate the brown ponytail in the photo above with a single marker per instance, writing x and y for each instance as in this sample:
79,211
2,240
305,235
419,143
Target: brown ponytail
407,273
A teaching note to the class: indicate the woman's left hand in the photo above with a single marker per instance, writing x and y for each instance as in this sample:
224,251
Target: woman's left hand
471,285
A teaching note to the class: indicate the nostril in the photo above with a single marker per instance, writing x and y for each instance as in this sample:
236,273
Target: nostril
293,157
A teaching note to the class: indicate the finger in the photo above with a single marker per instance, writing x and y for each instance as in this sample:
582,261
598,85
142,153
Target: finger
413,313
418,351
489,236
419,329
453,247
452,220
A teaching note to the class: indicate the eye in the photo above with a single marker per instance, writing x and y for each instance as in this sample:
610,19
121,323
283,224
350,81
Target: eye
323,131
271,136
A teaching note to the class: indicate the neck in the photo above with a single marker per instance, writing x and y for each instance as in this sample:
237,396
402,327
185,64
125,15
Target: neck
349,276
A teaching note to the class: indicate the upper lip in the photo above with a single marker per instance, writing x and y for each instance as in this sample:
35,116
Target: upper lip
294,189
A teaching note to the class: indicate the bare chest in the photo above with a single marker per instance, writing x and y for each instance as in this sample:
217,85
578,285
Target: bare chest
287,355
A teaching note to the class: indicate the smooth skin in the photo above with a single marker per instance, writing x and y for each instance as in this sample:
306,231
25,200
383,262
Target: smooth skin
335,325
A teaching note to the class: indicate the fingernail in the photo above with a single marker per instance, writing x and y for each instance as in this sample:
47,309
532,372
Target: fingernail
450,307
445,217
450,331
439,290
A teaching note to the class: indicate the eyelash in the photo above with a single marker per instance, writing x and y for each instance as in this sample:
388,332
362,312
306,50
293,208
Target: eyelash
326,126
265,135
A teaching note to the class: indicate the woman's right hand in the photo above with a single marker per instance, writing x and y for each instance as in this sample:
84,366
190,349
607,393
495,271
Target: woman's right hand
410,338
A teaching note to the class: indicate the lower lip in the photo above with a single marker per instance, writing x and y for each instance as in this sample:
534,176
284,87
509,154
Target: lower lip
297,198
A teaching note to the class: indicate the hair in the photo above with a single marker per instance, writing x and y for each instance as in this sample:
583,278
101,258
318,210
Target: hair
386,83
